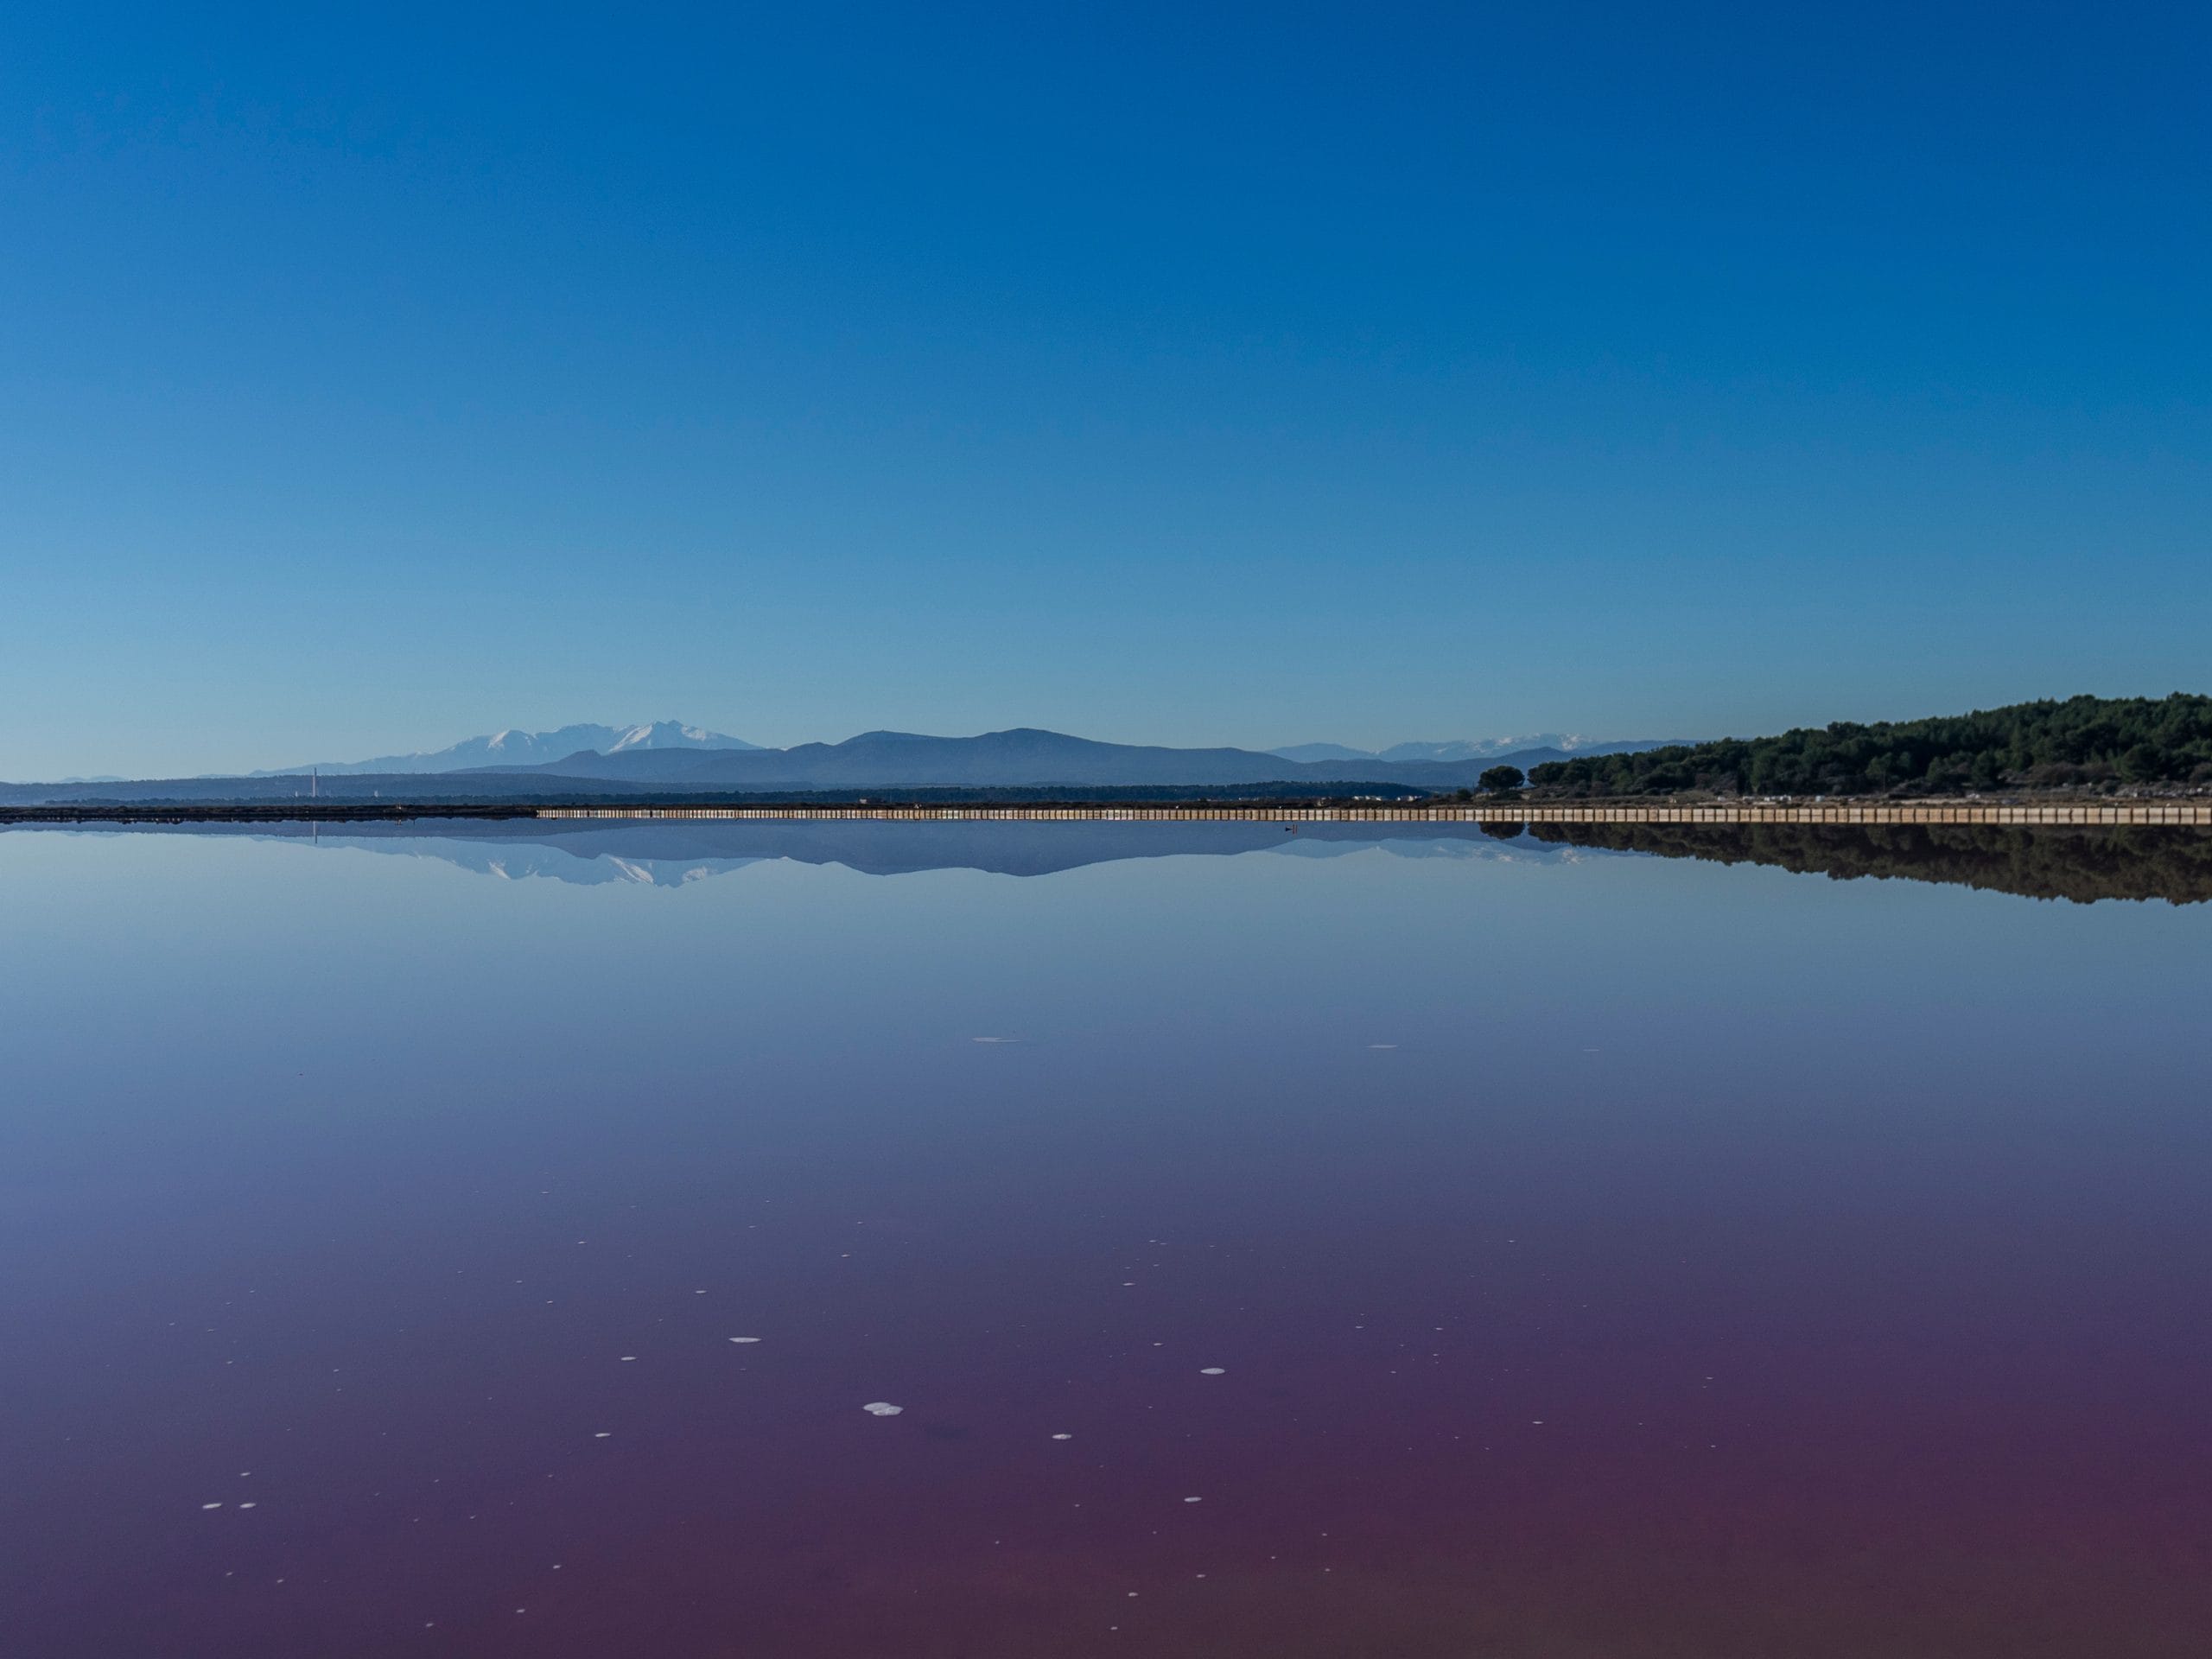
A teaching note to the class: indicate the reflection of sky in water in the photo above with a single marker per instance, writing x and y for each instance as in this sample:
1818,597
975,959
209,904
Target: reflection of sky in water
1636,1253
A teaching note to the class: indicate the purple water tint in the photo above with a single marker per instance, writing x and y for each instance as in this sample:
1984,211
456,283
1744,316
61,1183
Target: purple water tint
1719,1262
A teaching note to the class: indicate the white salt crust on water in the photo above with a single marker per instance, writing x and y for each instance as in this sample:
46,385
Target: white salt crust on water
745,1338
1213,1371
883,1408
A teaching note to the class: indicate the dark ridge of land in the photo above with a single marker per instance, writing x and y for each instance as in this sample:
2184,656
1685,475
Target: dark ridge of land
2079,863
2079,743
1380,804
260,811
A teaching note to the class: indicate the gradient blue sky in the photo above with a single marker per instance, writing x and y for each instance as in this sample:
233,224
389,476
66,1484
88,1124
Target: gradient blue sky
1182,374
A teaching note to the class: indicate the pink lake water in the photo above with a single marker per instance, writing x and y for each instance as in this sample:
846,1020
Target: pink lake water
1515,1248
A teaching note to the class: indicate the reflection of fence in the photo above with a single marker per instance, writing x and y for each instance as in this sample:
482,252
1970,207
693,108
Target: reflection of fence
2112,812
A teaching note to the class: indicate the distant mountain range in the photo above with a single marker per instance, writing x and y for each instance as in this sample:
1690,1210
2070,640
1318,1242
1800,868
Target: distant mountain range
669,758
1464,749
1023,756
519,748
516,747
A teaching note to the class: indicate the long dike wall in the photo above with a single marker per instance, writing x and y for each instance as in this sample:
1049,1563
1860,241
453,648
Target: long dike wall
2196,813
2116,812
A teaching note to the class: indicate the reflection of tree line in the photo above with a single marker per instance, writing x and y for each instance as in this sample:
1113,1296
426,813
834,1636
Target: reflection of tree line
2082,864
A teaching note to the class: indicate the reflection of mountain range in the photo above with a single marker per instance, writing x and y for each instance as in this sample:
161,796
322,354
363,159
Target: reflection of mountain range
672,852
669,853
2083,864
2078,863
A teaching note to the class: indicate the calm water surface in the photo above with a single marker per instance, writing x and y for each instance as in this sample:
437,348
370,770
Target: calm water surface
1515,1248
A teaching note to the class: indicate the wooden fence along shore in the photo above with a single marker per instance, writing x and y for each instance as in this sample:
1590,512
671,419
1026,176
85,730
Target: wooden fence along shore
2117,812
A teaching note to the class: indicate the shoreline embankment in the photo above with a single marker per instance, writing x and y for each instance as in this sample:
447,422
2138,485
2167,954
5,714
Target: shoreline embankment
2020,813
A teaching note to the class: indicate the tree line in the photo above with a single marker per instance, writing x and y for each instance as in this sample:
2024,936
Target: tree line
2080,742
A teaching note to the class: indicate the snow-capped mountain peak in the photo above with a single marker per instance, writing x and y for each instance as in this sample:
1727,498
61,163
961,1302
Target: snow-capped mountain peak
513,747
672,734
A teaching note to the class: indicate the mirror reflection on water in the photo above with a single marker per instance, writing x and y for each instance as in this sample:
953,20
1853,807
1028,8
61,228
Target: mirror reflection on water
2083,864
1607,1240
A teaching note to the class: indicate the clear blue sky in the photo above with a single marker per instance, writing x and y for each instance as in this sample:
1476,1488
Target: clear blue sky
1184,374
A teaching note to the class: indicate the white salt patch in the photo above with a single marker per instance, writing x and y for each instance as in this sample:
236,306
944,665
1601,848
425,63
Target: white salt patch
247,1506
1063,1437
1382,1044
1191,1500
210,1506
745,1338
602,1433
1213,1371
626,1358
883,1408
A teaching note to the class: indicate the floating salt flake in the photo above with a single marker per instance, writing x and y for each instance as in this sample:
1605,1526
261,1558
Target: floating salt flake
1213,1371
1194,1500
883,1408
1382,1044
1063,1437
995,1039
210,1506
248,1506
627,1358
603,1434
745,1338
